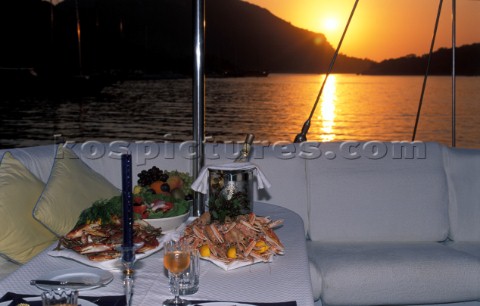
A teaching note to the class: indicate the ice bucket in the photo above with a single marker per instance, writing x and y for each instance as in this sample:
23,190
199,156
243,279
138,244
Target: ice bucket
230,193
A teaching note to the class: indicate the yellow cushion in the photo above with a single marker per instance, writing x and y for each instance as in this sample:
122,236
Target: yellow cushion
21,237
71,188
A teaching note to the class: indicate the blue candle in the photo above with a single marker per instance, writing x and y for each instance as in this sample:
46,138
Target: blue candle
127,207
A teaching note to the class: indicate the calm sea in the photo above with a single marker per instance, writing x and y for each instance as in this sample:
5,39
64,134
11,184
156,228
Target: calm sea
352,107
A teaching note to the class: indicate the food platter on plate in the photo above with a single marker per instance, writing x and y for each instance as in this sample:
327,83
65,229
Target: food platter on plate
38,299
113,264
93,276
241,241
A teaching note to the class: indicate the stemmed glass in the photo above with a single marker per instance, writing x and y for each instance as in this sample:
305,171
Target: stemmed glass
176,260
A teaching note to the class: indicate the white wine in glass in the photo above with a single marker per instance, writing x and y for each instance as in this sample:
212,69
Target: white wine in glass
176,260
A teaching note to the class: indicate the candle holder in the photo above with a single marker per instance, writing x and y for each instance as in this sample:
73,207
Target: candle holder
128,261
128,248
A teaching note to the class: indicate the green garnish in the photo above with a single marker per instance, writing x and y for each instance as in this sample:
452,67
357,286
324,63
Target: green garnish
102,210
221,208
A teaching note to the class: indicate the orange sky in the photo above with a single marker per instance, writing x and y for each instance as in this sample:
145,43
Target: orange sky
382,29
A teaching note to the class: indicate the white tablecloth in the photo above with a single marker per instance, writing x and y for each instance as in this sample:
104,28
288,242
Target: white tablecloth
287,278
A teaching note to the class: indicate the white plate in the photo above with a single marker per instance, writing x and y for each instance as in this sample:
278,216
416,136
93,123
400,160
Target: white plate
84,274
114,264
36,299
236,263
222,304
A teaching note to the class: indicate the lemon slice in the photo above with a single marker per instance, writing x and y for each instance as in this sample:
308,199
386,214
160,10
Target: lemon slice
205,251
232,252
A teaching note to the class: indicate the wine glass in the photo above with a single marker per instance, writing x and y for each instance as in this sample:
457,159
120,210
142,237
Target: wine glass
176,260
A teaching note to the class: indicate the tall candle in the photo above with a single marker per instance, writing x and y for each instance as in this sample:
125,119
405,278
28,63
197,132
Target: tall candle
127,207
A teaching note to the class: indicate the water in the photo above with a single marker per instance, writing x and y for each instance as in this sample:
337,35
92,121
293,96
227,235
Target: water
352,107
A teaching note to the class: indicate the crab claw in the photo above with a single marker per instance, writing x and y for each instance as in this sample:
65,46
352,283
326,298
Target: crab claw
93,248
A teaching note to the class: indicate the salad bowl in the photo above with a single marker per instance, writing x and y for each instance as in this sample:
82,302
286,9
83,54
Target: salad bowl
169,223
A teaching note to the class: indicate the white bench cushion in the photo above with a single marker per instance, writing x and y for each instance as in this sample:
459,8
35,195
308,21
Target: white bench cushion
463,171
385,197
7,267
394,273
105,158
38,160
472,248
285,170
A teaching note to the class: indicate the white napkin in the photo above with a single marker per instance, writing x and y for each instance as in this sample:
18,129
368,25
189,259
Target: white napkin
201,183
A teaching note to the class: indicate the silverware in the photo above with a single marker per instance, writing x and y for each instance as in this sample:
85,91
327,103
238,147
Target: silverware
60,283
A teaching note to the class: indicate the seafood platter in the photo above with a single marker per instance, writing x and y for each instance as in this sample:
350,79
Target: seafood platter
161,202
98,244
236,242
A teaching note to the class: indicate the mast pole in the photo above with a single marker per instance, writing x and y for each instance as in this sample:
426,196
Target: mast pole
454,34
198,100
79,38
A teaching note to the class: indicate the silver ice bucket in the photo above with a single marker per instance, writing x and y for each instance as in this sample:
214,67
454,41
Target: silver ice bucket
230,193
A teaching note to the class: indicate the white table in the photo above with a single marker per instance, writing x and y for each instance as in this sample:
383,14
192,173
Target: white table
287,278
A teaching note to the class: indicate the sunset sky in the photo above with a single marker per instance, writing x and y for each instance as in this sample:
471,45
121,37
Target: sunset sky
381,29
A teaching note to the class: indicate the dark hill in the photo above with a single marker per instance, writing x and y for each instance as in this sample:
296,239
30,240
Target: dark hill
155,36
467,62
251,37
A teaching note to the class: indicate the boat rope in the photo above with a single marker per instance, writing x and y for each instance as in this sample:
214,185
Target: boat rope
302,136
427,70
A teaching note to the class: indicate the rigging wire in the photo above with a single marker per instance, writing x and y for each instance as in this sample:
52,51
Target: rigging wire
302,136
420,103
454,89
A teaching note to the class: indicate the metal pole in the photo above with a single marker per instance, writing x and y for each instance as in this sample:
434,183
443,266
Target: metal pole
198,99
79,39
454,34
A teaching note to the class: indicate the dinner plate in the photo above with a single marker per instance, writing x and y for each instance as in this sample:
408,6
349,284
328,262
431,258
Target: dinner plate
84,274
221,304
236,263
37,299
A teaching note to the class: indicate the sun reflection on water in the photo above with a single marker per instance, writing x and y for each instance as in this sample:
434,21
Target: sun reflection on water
327,110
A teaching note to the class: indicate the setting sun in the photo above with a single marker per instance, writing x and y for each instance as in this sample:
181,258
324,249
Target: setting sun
330,24
380,29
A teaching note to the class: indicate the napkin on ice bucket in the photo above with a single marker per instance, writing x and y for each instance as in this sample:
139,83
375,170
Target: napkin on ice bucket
201,183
